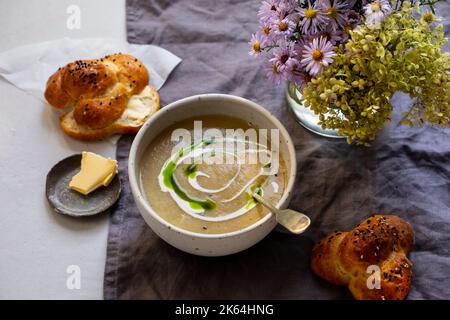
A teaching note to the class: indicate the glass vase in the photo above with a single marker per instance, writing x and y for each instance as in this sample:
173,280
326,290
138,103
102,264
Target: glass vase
304,115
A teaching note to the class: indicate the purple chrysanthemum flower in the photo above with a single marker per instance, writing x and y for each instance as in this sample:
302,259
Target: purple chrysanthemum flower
268,9
335,11
316,55
299,45
376,12
313,18
284,59
278,19
353,18
283,27
287,8
267,35
256,45
285,56
284,53
298,75
275,73
329,33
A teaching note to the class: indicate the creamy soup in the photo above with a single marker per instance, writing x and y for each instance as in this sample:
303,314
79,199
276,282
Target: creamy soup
203,183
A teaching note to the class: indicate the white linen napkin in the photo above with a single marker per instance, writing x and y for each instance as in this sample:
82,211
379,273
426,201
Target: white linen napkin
29,67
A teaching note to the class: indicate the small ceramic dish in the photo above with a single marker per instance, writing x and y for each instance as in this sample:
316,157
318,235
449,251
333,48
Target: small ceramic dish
67,201
203,105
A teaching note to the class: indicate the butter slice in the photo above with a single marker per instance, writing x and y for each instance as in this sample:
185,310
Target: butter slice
96,171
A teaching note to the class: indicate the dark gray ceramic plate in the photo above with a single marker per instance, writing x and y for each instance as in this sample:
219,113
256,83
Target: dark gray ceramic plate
67,201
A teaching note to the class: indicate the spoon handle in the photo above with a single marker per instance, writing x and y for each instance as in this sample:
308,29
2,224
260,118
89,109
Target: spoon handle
265,203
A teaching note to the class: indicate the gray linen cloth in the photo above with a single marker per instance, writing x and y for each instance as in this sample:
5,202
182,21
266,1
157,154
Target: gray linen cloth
406,172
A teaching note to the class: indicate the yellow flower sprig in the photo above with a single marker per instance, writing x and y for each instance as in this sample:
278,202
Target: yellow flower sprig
405,54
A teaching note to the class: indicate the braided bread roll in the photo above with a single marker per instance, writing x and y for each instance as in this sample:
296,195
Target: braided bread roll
343,258
99,92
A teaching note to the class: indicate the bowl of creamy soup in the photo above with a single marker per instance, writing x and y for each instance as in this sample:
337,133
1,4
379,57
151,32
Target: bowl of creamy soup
195,164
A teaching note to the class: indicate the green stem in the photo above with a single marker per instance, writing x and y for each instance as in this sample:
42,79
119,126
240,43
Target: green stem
431,6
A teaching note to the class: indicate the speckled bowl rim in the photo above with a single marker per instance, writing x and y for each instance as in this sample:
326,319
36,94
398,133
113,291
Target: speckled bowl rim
135,183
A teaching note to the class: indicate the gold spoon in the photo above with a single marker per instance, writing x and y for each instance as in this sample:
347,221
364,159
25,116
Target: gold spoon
292,220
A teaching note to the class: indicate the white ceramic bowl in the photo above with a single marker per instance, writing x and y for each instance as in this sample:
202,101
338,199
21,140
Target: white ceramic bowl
200,105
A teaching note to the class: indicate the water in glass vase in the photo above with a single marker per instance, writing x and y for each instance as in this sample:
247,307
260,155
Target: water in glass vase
306,116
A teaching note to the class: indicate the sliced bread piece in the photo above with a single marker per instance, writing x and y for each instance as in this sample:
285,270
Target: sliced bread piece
140,108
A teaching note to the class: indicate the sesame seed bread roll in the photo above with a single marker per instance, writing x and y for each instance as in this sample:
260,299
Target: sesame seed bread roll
97,94
343,258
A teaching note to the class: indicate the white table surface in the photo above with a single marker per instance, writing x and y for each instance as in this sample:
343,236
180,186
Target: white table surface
36,244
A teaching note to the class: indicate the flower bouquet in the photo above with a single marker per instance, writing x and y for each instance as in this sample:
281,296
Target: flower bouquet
348,58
